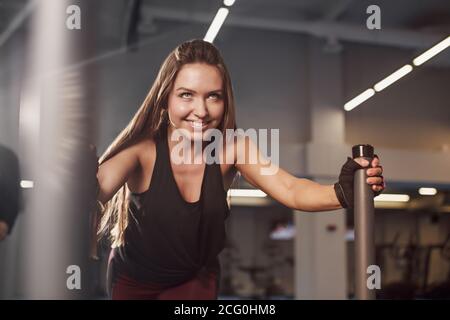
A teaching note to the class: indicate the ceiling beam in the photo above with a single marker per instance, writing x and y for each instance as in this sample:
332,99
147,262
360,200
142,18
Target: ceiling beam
322,29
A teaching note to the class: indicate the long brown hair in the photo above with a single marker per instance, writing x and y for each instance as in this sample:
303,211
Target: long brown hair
151,120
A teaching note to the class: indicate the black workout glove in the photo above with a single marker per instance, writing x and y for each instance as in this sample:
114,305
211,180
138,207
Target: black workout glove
344,187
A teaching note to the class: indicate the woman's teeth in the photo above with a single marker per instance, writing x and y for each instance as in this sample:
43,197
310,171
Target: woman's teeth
198,125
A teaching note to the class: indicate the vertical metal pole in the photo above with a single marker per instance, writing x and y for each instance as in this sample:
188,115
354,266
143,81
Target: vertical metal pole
364,225
56,124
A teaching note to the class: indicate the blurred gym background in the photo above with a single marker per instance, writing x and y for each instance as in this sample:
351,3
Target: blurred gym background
295,64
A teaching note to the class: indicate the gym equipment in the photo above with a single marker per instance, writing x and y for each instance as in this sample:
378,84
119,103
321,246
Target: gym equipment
364,224
437,290
407,258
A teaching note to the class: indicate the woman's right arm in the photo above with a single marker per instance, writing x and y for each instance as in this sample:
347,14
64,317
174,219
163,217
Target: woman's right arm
114,173
111,176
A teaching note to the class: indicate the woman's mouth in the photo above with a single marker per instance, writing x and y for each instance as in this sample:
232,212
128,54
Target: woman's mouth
198,125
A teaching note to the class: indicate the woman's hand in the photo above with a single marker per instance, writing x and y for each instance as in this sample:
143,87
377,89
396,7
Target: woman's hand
375,176
344,187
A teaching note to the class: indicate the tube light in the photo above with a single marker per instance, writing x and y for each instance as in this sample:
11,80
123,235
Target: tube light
430,53
228,3
246,193
26,184
392,197
427,191
403,71
427,55
216,24
359,99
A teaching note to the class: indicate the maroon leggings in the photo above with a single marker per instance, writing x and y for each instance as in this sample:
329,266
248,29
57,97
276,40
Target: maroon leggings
202,287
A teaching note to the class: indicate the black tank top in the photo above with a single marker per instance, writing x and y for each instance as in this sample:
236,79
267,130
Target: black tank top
169,240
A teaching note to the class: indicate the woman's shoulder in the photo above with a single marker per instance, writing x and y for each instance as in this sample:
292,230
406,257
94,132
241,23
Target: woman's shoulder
145,147
145,141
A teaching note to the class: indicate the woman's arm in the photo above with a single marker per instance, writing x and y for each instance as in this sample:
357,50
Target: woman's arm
111,176
114,173
296,193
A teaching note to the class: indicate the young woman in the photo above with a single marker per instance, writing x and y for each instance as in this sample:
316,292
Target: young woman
167,219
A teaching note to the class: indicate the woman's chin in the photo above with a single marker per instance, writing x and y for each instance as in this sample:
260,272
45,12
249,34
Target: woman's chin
192,135
196,134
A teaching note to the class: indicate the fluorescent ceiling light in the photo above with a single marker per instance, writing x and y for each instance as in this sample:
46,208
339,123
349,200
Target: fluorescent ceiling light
283,233
350,235
427,191
359,99
392,197
246,193
228,3
393,77
216,24
26,184
427,55
430,53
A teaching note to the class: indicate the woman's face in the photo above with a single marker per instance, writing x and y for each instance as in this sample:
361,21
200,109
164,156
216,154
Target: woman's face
196,101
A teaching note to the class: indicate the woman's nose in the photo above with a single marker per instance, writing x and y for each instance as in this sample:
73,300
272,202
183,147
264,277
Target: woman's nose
200,109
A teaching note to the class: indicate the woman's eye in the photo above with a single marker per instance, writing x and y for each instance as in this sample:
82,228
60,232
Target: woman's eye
215,96
186,95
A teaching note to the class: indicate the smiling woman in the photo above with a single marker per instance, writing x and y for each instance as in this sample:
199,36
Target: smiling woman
167,219
195,102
